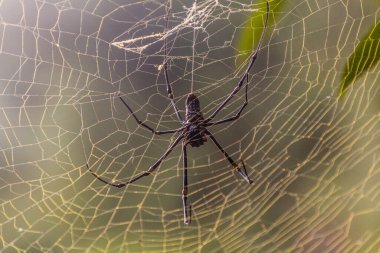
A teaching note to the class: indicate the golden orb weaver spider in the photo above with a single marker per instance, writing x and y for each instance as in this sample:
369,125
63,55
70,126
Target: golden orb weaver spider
194,127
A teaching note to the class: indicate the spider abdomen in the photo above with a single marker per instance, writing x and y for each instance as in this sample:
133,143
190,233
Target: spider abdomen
193,109
195,131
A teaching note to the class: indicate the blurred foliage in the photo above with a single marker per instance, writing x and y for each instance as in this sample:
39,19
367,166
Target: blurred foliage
365,56
249,37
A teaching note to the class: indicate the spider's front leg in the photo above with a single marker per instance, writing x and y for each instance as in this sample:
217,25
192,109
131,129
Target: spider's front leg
145,173
186,213
240,169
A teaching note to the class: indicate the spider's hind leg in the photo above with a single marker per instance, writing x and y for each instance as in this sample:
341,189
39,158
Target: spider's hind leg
165,65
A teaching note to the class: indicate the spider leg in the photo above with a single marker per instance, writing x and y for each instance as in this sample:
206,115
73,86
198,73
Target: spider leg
168,84
143,174
245,76
186,211
236,116
240,169
145,125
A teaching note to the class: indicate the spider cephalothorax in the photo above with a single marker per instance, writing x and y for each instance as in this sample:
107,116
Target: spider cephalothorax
194,128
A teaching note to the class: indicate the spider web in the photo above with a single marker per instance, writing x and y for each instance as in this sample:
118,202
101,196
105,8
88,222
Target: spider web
314,159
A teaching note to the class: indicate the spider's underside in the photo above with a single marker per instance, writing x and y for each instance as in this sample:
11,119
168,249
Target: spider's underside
194,128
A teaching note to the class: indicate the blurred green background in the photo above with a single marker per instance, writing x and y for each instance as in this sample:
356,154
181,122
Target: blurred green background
314,157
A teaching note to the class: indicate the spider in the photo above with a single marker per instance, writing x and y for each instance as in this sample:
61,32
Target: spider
194,130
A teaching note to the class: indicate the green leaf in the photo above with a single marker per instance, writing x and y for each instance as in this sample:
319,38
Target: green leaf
365,56
250,35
